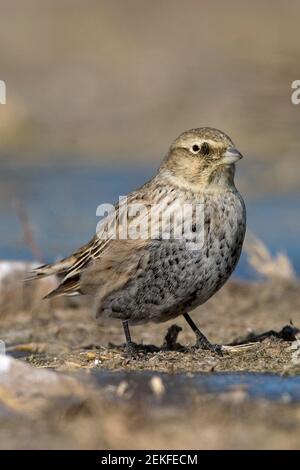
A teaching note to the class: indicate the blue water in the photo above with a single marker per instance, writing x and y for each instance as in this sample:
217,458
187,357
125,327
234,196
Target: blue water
61,205
180,387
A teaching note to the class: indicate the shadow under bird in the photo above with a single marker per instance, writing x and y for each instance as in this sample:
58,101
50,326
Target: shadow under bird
156,278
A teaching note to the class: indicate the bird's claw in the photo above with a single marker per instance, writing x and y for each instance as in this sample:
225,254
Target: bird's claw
206,345
132,351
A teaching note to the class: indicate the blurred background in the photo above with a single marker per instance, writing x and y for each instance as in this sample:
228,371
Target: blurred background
97,90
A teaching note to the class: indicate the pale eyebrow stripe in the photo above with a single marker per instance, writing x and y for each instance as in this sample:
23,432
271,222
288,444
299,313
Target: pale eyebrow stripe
213,143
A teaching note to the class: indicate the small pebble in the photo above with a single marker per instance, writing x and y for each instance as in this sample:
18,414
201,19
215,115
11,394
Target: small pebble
121,388
157,386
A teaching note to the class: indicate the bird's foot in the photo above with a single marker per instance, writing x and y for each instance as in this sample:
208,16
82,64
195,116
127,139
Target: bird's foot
220,349
138,351
132,350
203,343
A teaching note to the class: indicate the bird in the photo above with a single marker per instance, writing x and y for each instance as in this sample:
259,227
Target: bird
159,273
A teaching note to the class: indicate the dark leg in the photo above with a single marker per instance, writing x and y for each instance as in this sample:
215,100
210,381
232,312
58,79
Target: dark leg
201,340
134,350
131,347
127,333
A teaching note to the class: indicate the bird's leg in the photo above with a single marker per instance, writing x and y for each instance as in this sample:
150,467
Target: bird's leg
130,345
201,340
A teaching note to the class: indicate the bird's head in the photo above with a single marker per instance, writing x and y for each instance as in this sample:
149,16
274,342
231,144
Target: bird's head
202,157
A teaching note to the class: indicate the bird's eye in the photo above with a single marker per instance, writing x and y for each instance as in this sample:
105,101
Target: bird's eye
205,148
195,148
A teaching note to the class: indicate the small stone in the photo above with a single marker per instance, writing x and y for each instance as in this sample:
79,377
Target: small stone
90,355
122,388
157,386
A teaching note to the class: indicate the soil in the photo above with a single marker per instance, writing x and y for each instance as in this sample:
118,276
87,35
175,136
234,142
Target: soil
64,338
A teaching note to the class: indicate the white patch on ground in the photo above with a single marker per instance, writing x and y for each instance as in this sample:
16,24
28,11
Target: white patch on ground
5,364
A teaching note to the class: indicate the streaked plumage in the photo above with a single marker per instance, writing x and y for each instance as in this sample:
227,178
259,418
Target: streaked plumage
154,279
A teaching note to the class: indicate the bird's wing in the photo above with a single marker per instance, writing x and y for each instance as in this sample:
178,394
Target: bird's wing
121,262
69,269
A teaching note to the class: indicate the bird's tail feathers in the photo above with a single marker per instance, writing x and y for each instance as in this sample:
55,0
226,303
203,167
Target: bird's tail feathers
68,288
50,269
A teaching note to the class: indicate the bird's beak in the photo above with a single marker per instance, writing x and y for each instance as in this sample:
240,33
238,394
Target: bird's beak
232,155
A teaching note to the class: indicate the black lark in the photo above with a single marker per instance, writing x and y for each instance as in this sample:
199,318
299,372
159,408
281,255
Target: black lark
157,276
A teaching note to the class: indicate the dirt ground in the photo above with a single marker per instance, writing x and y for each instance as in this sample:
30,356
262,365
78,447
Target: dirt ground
63,339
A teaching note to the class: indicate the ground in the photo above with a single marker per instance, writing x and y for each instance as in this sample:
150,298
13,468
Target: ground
162,406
